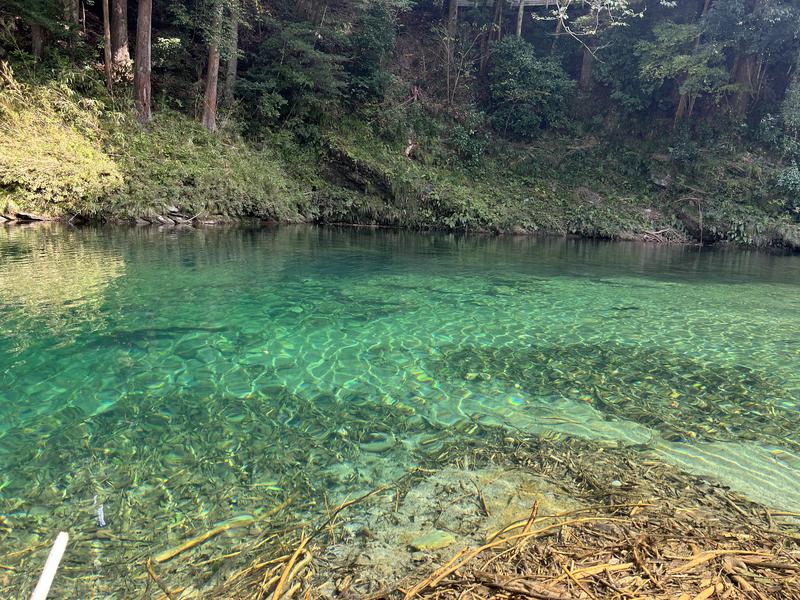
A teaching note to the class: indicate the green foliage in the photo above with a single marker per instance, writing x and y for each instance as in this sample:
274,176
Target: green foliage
296,76
790,108
789,181
45,13
51,155
683,149
61,154
674,55
619,71
469,139
528,93
768,29
372,43
178,162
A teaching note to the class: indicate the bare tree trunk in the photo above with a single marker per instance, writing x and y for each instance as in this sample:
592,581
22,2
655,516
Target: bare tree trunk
520,16
484,50
497,20
72,12
450,45
212,74
141,81
681,110
452,18
587,62
37,40
72,18
107,44
232,65
744,75
121,55
495,27
559,25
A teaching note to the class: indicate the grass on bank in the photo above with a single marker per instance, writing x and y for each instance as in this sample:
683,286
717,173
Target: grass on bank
63,154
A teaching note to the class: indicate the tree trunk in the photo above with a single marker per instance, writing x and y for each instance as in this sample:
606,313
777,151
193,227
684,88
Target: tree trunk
497,20
484,50
495,28
141,81
559,25
452,18
121,55
107,44
452,28
585,81
72,19
681,110
37,40
212,73
72,12
233,60
520,16
744,75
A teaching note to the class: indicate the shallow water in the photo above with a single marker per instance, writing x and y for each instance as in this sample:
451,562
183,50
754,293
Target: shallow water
196,352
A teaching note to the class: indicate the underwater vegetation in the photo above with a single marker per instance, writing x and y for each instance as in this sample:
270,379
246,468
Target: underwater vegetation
681,396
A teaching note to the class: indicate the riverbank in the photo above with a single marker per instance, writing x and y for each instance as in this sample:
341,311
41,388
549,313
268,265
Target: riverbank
59,160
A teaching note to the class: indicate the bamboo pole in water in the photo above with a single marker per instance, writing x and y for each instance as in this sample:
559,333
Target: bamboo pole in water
50,567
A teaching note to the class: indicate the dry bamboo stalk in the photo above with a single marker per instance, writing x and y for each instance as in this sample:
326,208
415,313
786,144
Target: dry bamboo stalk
704,557
288,568
467,555
241,521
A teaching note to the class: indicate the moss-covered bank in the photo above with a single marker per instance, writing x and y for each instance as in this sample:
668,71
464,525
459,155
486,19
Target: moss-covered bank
63,155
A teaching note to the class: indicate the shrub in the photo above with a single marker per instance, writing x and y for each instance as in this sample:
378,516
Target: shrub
51,156
528,93
468,138
789,182
372,41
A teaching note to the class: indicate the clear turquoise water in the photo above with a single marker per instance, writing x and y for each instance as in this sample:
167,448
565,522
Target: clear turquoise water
245,359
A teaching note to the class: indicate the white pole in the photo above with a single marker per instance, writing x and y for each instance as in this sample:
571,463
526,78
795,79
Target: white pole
50,567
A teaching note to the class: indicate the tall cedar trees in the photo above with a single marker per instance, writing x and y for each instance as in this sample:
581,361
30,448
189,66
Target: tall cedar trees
212,74
141,80
121,55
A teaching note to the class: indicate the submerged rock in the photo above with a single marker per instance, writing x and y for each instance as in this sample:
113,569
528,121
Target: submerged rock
433,540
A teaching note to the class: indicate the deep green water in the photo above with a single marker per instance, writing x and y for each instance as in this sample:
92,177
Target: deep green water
243,357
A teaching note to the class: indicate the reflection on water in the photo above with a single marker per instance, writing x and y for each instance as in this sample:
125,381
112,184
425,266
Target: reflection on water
200,374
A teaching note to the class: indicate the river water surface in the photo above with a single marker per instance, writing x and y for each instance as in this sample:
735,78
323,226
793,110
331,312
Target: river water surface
132,357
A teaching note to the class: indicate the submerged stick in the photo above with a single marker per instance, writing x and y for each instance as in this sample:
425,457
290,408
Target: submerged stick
240,521
50,567
149,566
709,555
288,568
466,555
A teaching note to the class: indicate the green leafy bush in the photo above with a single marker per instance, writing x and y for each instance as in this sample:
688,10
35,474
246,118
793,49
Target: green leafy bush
469,139
51,155
528,93
789,182
295,76
372,42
